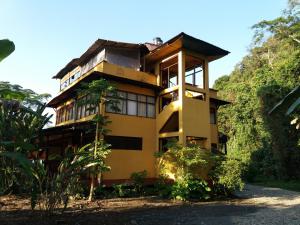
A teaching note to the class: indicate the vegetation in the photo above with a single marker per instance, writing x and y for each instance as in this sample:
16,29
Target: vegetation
98,92
198,173
21,120
266,144
6,48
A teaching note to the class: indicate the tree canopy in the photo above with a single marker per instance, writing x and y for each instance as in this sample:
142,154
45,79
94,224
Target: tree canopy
267,144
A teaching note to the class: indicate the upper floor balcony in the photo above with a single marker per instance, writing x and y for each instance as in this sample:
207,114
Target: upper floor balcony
109,61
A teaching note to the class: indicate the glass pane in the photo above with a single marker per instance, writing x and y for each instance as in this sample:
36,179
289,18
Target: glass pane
132,107
198,69
150,99
121,94
173,80
141,98
189,78
131,96
78,112
108,106
199,79
151,110
82,111
122,106
141,109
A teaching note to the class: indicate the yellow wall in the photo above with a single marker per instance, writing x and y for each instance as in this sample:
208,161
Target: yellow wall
125,162
196,118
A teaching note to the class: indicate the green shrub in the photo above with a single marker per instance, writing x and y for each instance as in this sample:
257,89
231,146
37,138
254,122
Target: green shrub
227,175
188,188
179,162
162,188
138,179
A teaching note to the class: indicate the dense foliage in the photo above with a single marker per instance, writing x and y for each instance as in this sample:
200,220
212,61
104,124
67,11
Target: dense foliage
198,173
268,145
21,120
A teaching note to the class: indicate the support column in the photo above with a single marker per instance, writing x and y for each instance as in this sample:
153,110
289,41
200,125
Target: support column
207,102
181,95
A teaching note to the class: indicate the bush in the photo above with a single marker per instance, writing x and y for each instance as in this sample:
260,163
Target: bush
190,166
162,187
188,188
139,180
180,162
227,175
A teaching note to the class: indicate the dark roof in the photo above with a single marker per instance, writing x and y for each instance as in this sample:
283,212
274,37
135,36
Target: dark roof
188,42
70,66
181,40
93,50
218,101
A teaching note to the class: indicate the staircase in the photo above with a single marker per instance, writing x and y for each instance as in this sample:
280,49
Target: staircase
166,113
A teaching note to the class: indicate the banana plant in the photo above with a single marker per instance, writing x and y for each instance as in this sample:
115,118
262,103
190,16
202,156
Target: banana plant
290,103
6,48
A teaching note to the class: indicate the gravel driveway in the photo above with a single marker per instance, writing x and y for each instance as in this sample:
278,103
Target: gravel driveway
254,206
272,206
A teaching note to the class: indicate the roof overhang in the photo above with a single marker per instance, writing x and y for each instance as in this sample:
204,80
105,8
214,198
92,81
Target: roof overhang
219,102
187,42
93,50
72,92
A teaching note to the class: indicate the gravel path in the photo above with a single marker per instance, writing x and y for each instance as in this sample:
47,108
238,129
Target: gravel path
274,206
255,205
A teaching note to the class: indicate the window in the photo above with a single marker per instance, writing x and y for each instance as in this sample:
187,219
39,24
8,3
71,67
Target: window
133,104
74,77
60,115
124,143
169,72
194,76
85,108
213,116
64,84
70,112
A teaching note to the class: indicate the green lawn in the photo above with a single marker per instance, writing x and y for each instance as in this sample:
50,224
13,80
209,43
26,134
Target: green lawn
292,185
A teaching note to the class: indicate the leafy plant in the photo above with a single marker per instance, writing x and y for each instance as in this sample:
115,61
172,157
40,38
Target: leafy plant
6,48
227,175
290,103
179,162
138,180
21,121
187,188
98,92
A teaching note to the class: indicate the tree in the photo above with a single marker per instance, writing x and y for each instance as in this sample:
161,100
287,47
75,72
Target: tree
99,93
285,26
267,145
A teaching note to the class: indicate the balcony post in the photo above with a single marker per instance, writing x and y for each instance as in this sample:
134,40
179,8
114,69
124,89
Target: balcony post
181,95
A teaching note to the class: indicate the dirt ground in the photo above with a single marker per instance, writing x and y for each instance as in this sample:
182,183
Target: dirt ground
256,205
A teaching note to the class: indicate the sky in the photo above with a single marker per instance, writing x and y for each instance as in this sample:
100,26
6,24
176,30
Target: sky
48,34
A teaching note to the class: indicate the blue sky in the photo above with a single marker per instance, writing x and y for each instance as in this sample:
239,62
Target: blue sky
48,34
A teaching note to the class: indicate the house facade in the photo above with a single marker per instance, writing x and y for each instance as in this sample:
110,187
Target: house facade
163,93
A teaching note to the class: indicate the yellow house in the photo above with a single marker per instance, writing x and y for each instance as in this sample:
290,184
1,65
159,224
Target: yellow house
164,93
